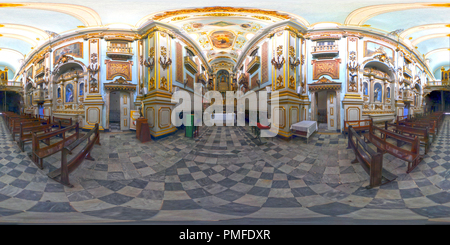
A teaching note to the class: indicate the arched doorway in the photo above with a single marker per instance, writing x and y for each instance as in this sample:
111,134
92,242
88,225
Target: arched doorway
437,101
10,101
325,110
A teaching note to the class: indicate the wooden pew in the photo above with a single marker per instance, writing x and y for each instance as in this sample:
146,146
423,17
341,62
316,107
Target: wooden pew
38,153
411,156
401,119
357,125
65,122
15,125
44,119
61,174
26,133
16,118
431,125
422,133
371,161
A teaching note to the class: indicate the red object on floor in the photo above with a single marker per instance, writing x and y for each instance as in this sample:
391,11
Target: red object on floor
262,127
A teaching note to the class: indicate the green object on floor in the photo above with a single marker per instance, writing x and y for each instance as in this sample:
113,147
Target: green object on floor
189,130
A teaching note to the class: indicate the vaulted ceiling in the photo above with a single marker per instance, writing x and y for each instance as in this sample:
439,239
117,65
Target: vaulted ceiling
423,26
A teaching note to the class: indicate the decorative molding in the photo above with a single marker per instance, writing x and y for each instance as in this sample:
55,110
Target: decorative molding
118,68
278,62
166,62
120,84
326,67
353,67
324,84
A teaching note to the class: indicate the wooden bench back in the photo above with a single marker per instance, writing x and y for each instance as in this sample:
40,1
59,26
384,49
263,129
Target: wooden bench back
64,121
403,129
412,155
68,166
402,118
357,125
382,143
28,130
371,161
50,149
431,125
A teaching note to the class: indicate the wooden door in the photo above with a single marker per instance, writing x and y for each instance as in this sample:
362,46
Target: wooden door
124,111
331,110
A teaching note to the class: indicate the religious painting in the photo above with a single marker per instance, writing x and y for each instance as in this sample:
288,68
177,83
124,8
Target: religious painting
377,92
30,72
74,49
197,25
246,25
222,39
372,48
69,93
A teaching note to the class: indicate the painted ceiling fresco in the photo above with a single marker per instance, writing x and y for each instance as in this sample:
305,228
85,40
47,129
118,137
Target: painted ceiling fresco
423,25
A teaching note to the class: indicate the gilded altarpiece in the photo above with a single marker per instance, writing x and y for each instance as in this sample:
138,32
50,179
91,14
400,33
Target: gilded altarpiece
377,93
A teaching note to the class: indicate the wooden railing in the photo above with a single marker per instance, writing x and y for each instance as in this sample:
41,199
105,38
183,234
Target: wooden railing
325,48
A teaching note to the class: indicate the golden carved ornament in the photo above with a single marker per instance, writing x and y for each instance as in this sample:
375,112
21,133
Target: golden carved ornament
292,82
163,84
279,82
174,13
151,83
291,51
179,18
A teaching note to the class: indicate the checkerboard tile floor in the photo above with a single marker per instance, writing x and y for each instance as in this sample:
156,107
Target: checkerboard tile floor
222,175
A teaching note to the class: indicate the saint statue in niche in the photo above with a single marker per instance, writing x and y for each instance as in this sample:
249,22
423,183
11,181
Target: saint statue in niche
59,92
377,92
81,89
366,89
69,93
388,93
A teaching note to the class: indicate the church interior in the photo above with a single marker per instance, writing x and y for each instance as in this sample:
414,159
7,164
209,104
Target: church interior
189,111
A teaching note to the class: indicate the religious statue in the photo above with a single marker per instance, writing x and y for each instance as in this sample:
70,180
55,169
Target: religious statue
377,93
69,93
141,110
